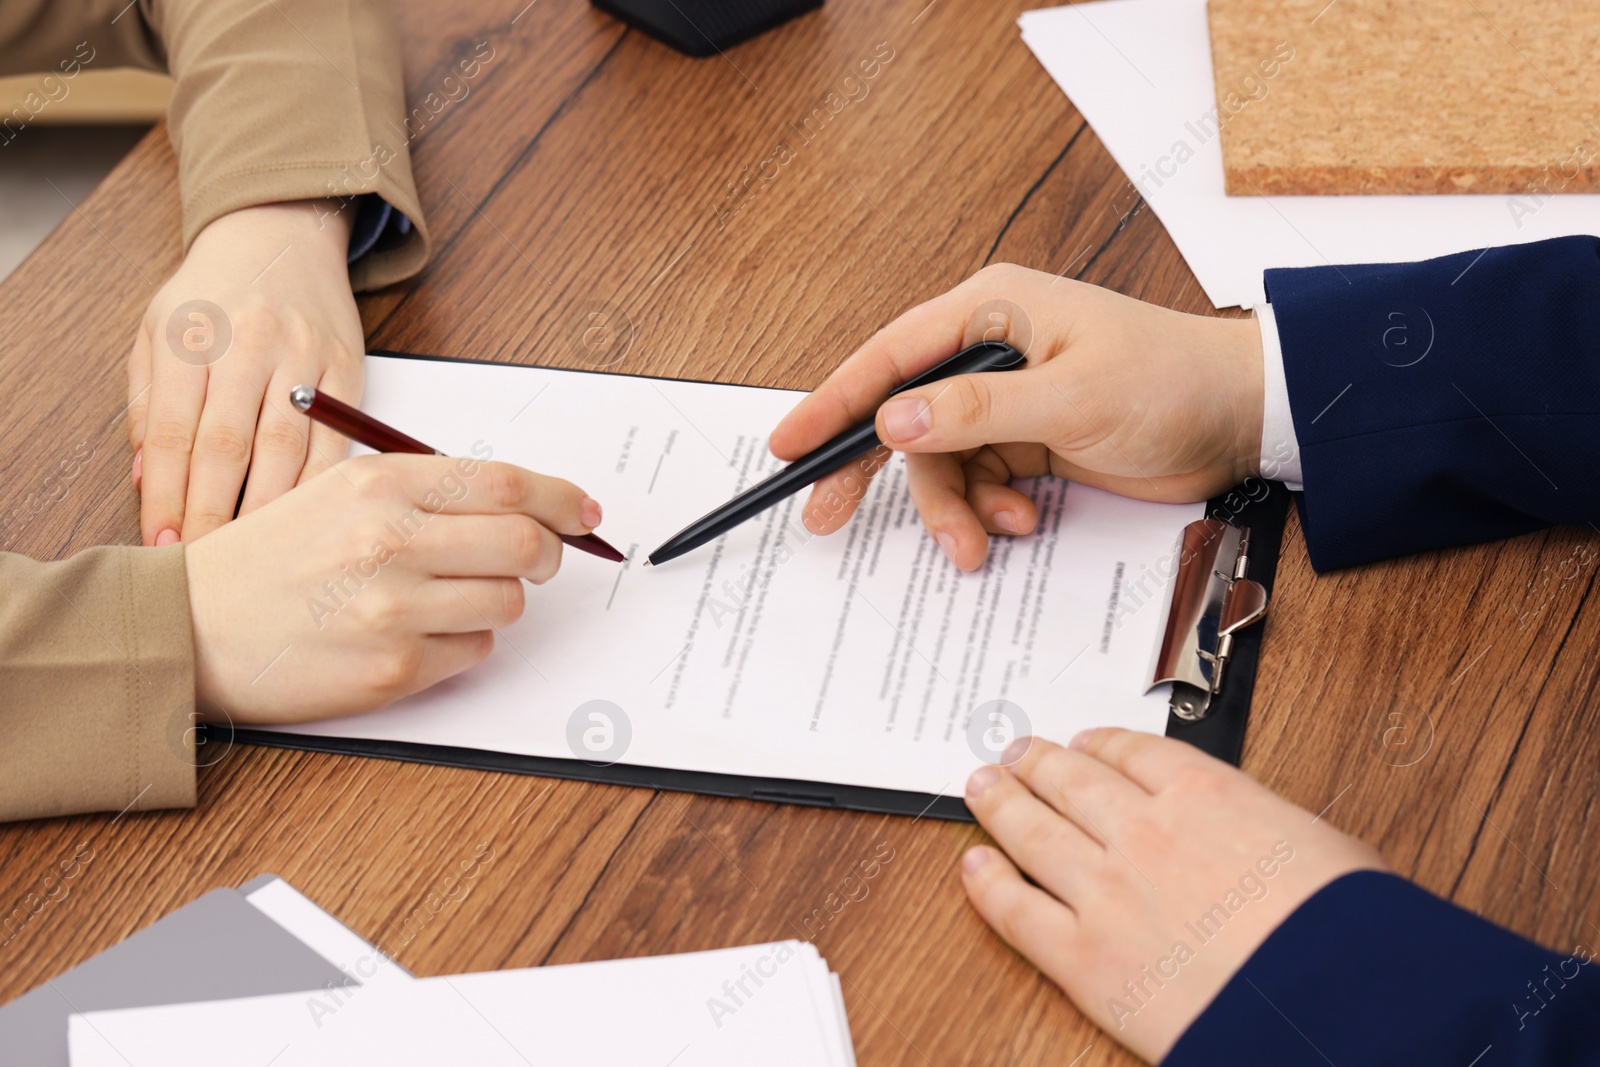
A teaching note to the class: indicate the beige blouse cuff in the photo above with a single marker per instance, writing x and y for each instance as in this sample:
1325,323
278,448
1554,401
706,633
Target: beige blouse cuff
96,683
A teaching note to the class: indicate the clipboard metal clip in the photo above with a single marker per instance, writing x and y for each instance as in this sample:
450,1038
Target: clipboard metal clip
1210,598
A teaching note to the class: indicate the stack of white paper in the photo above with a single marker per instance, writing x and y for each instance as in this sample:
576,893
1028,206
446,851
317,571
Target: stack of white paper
774,1004
1140,71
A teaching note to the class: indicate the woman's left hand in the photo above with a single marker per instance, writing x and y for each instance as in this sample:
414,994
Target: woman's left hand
262,303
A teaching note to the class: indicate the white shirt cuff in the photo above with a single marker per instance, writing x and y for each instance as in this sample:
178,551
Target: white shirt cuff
1280,450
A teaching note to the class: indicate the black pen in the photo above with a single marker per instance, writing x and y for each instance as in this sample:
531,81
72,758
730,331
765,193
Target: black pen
852,444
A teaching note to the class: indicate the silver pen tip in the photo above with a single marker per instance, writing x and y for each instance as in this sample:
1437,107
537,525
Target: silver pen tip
301,397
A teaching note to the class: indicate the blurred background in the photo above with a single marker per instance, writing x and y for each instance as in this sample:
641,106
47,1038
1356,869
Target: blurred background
48,166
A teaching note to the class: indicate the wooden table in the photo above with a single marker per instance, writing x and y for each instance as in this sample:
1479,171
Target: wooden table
588,164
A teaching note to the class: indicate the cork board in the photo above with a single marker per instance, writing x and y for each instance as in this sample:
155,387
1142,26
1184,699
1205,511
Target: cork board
1407,96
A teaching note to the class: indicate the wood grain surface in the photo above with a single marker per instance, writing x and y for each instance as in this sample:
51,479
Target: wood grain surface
1441,706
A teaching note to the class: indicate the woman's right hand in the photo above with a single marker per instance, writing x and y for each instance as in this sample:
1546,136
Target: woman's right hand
375,579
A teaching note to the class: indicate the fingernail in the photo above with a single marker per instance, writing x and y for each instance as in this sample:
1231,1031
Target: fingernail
981,780
138,467
974,859
948,543
1079,740
589,510
1007,521
166,537
907,418
1016,750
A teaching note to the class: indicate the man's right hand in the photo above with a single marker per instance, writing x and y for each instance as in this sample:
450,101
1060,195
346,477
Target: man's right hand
1118,394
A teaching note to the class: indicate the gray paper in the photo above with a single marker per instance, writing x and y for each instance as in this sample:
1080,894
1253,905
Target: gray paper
215,948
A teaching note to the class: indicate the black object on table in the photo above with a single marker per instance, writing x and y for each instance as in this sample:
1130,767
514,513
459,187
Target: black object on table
704,27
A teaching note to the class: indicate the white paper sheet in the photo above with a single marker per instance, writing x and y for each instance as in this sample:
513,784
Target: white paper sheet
326,936
856,658
768,1004
1140,72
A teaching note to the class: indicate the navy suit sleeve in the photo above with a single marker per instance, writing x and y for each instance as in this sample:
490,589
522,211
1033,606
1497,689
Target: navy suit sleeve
1444,402
1374,971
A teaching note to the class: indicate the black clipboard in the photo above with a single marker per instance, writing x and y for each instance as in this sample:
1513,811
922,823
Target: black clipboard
1257,505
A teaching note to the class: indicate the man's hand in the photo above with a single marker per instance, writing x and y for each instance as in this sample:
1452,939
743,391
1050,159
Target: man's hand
1156,872
375,579
262,303
1117,394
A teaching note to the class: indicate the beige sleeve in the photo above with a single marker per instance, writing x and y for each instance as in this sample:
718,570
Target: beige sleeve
96,683
274,99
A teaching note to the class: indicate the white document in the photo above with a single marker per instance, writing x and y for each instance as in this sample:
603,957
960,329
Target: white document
771,1004
1140,72
857,658
326,936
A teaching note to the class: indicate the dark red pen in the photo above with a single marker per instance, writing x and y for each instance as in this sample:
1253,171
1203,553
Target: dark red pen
359,426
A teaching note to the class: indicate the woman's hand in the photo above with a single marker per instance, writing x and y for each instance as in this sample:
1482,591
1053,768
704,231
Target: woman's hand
375,579
1117,394
262,303
1157,871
